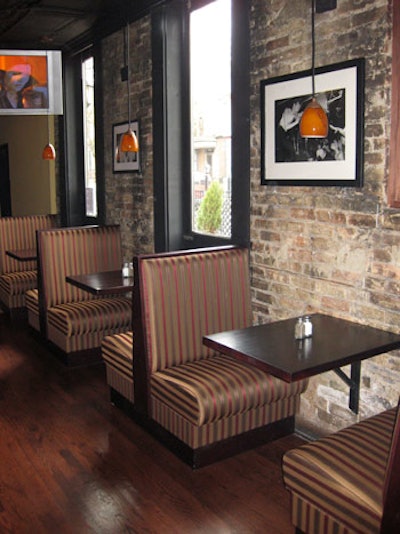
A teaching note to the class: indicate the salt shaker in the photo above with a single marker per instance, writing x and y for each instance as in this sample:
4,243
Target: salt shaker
307,326
299,329
125,270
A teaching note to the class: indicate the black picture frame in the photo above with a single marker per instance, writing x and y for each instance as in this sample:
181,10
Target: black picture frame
288,159
125,161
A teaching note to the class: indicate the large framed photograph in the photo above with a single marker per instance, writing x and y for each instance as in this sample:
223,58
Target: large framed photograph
125,161
287,158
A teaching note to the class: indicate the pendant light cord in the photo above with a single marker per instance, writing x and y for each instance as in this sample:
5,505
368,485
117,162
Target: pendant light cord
128,73
313,46
48,103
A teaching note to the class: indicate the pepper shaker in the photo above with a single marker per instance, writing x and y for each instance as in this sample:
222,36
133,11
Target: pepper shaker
299,329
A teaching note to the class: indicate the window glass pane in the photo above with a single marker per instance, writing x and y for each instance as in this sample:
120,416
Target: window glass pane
210,92
89,148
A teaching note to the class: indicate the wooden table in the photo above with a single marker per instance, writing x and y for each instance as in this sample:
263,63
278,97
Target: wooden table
102,283
334,343
27,254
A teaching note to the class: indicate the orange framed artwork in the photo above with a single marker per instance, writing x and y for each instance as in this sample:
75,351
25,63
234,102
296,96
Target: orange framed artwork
30,82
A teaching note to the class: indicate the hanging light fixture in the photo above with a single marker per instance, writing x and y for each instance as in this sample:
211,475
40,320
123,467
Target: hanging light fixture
314,121
129,142
49,151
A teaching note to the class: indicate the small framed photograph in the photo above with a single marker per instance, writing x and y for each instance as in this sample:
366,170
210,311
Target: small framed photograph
337,160
125,161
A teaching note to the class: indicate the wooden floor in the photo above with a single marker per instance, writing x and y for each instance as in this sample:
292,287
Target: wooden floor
70,462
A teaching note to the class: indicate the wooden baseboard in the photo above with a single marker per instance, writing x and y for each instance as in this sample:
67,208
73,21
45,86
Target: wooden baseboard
79,358
15,314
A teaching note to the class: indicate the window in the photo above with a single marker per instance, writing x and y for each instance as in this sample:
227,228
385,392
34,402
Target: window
89,148
178,125
210,98
82,197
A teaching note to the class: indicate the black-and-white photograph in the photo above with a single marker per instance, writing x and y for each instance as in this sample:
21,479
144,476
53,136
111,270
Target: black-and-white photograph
125,161
290,159
291,147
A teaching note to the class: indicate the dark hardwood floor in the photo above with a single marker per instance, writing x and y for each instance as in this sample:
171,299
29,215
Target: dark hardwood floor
70,462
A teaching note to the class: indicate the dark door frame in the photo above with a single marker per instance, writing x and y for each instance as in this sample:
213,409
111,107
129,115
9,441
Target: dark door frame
5,185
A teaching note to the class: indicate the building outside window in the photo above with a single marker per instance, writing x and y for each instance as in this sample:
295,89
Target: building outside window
210,96
89,148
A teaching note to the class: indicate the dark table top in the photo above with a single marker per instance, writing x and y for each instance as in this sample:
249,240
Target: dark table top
23,254
102,283
273,347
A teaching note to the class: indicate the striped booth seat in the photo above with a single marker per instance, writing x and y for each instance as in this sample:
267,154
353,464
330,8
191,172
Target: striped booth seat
73,320
117,353
203,404
17,277
348,482
32,306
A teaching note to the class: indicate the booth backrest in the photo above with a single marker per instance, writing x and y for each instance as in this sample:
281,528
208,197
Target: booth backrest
19,233
391,491
78,250
188,294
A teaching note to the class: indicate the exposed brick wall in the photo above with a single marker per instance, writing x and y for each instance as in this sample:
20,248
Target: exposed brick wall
129,196
328,249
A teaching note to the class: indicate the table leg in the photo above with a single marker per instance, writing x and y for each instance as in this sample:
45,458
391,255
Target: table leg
354,384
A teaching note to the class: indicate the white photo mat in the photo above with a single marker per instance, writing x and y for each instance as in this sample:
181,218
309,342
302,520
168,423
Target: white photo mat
125,161
312,161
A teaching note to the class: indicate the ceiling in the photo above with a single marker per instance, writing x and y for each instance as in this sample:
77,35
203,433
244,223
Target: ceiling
66,25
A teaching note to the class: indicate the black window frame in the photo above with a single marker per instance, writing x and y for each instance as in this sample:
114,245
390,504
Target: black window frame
72,193
171,127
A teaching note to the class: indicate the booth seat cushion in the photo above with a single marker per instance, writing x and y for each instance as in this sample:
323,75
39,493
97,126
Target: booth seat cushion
19,282
32,300
80,318
207,390
338,480
117,351
14,285
32,305
117,354
228,427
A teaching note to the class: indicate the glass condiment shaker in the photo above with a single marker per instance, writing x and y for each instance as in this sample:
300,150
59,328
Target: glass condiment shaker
308,327
299,329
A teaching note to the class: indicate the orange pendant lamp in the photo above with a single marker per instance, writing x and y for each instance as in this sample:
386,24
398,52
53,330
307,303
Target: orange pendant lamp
129,142
49,152
314,121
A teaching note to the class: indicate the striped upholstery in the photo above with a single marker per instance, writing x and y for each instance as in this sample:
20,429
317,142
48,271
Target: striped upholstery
18,233
32,305
117,353
199,436
337,482
80,318
188,296
14,285
76,319
198,395
192,389
16,277
69,251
